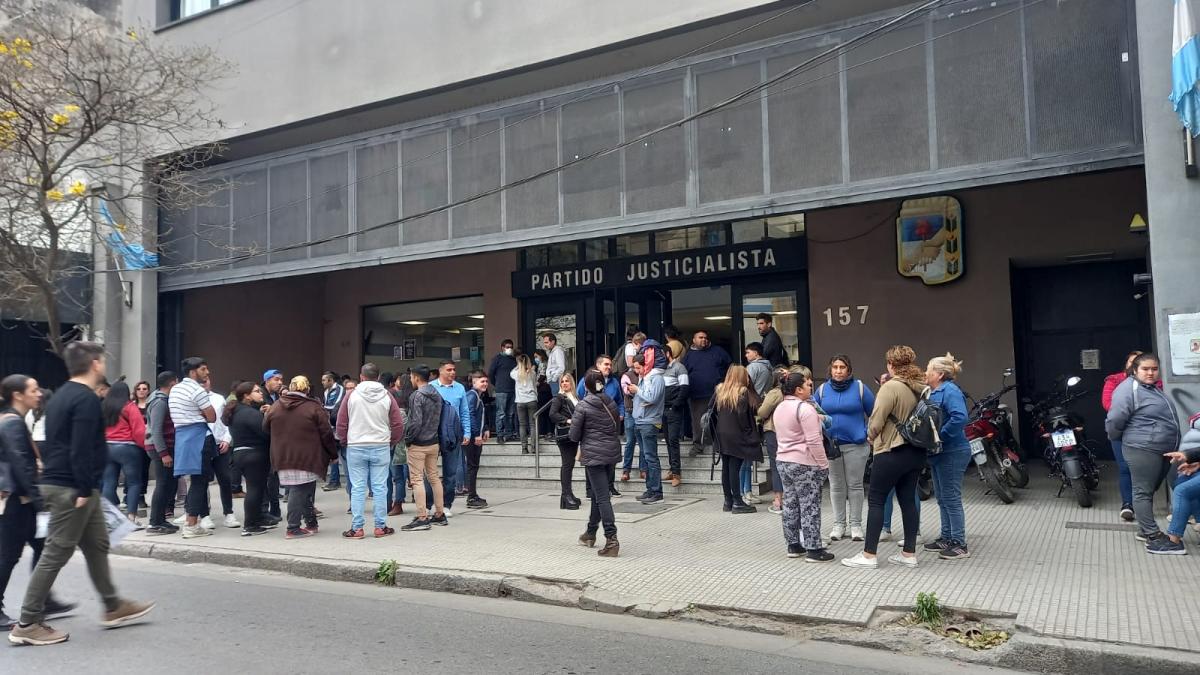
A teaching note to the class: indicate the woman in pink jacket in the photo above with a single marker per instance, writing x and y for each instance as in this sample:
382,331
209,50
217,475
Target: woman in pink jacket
802,467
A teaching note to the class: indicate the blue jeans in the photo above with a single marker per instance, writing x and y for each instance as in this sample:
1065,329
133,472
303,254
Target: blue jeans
746,480
125,457
368,465
553,386
451,465
342,460
1185,502
887,509
335,473
948,468
398,485
631,437
648,436
1124,479
506,414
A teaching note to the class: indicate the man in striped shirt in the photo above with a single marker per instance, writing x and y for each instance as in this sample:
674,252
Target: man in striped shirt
192,411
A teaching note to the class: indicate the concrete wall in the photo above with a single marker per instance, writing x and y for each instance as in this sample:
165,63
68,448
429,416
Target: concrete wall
312,323
1038,222
1174,200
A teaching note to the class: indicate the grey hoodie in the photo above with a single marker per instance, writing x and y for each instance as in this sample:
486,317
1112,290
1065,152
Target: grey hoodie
369,416
1151,424
760,376
1191,441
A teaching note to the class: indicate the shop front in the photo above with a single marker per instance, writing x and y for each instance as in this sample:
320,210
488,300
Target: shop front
712,278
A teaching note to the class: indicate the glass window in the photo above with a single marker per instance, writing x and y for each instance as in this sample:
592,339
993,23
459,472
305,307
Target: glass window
685,238
424,187
537,256
406,334
746,231
633,244
591,189
595,249
783,227
705,309
563,254
656,167
782,308
186,8
730,140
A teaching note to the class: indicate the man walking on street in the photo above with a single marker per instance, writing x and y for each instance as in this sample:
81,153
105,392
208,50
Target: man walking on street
648,395
772,344
455,394
369,424
706,365
421,435
556,361
499,373
74,456
332,400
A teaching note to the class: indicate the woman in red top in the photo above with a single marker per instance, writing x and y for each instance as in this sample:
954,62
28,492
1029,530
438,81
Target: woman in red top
125,431
1124,480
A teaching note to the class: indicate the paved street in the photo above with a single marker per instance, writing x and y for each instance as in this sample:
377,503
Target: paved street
216,620
1060,570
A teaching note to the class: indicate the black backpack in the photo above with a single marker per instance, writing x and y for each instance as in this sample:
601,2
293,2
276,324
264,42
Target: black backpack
921,428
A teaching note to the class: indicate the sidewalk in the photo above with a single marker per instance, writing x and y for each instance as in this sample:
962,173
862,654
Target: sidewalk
1060,570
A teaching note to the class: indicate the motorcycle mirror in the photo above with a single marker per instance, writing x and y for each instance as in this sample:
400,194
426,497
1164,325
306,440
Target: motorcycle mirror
1008,372
1073,380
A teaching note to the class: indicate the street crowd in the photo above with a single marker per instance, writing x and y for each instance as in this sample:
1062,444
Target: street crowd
277,440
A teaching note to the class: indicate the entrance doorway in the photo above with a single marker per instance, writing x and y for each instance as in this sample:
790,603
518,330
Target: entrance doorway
1063,316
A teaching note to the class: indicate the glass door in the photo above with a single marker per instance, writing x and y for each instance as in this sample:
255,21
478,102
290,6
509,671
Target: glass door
565,318
788,308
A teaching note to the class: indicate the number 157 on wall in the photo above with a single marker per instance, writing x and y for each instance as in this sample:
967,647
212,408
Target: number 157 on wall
846,315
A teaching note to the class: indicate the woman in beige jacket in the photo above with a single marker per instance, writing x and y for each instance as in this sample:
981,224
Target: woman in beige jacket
896,464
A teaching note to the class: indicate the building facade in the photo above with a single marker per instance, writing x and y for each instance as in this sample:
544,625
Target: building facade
411,182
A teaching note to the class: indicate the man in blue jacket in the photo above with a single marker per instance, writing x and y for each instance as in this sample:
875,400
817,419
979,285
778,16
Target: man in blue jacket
706,365
612,383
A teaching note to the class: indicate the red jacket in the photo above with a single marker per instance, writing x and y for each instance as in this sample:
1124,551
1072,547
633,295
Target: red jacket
1110,385
130,427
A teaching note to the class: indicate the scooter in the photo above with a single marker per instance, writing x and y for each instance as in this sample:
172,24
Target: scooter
1065,447
994,449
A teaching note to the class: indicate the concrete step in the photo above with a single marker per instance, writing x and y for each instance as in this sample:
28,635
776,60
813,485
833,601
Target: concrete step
511,472
555,459
629,490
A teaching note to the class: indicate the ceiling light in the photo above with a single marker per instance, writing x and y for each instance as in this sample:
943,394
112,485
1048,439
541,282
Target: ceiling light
717,318
472,327
476,316
414,323
454,331
785,312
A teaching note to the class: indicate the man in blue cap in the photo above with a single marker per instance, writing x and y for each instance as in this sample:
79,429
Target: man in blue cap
272,385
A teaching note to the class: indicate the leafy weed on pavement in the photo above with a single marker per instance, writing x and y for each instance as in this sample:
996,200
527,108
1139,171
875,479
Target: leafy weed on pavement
386,574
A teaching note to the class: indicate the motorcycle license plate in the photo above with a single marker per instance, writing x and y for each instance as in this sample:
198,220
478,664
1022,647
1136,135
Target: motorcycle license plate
978,452
1063,439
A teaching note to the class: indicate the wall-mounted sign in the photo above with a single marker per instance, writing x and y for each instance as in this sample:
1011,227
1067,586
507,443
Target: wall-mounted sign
763,257
1183,331
410,350
1089,359
929,239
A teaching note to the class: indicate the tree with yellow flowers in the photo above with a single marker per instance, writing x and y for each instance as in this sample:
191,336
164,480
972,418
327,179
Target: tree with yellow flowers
94,117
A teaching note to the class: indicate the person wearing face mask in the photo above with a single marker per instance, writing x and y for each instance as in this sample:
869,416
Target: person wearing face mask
1146,423
499,373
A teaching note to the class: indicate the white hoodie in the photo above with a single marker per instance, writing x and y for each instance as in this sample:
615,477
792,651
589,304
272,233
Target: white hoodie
369,411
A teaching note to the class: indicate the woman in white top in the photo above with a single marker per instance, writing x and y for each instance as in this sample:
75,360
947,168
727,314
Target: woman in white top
526,377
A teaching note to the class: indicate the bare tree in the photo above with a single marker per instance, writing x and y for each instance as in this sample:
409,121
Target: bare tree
92,116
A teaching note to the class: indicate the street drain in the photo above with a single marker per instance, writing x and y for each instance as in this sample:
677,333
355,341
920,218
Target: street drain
1104,527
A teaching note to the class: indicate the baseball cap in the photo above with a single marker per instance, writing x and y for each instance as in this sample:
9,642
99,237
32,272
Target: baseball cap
271,373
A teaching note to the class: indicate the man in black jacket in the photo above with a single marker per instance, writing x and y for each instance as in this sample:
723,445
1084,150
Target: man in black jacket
772,344
73,461
421,435
499,373
18,488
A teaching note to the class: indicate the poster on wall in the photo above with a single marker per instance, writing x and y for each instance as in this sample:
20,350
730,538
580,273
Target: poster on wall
1183,331
929,239
410,349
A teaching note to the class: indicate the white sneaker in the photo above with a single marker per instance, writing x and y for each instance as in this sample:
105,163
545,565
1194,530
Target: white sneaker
885,535
207,523
903,560
751,498
838,532
193,531
856,533
861,561
447,512
180,520
231,520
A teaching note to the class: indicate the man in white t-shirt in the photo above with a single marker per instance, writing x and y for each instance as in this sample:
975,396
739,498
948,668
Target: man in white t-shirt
192,411
556,361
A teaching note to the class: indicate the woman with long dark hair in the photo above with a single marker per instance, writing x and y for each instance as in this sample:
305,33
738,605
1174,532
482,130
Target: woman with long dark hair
1124,481
849,403
562,408
125,431
251,453
141,397
803,467
734,406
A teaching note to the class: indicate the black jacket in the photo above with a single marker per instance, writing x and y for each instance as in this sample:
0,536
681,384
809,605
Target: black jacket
18,463
773,348
75,452
246,428
500,373
737,429
424,416
594,427
561,410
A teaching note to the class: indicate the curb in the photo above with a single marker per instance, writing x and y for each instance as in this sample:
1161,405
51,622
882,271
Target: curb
1025,652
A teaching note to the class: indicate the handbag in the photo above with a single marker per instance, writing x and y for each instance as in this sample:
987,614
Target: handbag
832,449
562,432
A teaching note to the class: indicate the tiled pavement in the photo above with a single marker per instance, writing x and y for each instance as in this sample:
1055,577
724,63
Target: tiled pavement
1063,571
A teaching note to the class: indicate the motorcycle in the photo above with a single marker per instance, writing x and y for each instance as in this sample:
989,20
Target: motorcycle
994,448
1065,447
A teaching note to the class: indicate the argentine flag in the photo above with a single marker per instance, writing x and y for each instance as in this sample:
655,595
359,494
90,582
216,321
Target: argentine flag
1185,66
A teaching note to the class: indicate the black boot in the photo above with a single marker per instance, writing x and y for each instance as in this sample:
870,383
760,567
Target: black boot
569,503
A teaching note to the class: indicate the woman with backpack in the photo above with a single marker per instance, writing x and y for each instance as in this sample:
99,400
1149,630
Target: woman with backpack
734,406
562,409
895,463
849,402
595,429
803,467
949,465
